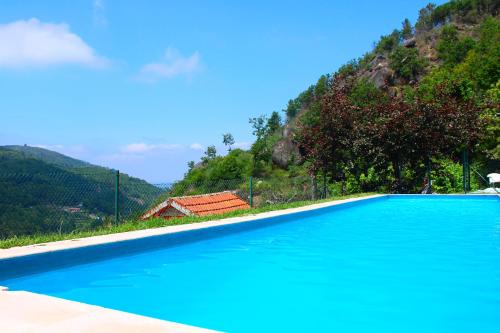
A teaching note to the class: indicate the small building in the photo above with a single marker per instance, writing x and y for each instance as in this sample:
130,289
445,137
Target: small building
72,209
197,205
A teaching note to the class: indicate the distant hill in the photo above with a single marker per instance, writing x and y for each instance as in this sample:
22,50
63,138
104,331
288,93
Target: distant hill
48,156
44,191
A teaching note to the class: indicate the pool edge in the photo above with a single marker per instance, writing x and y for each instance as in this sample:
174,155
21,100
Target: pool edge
77,243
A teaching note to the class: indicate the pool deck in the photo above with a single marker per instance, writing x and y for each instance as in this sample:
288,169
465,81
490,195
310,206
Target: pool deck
26,312
23,312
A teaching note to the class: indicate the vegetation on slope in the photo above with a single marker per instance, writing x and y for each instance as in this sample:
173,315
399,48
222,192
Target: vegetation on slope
409,108
43,191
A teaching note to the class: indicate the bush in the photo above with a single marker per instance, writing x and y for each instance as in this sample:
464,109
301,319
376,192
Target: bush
365,93
348,69
449,80
482,62
389,42
406,63
447,177
451,49
468,11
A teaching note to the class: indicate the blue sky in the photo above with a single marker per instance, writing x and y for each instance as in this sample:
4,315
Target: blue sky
145,86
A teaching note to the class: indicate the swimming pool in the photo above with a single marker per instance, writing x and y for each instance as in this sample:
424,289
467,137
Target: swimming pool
397,263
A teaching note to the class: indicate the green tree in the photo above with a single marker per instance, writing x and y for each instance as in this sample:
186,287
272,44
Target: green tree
210,154
273,123
322,86
482,63
424,21
259,126
228,140
365,93
491,141
451,49
406,62
406,29
389,42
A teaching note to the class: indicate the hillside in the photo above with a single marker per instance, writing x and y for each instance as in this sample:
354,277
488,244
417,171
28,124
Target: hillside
48,156
410,107
44,191
406,58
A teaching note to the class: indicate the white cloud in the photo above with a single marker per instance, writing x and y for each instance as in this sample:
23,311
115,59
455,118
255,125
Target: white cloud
196,146
137,148
75,151
173,64
49,147
107,158
98,13
242,145
31,43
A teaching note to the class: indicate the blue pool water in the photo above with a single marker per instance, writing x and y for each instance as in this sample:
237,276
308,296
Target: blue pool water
398,264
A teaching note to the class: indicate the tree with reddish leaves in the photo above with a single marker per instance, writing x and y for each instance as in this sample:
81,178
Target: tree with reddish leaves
449,123
328,142
408,134
390,134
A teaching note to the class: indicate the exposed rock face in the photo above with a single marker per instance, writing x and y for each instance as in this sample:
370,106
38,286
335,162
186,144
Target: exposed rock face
379,72
198,165
285,152
412,42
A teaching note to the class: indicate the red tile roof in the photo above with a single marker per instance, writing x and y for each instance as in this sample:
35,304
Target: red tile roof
199,205
212,203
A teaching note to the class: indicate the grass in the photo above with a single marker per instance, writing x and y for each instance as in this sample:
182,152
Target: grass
157,223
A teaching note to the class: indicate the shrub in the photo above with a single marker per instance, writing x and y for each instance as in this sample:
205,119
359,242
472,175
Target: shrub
452,49
451,81
482,62
406,63
365,93
389,42
406,29
424,21
348,69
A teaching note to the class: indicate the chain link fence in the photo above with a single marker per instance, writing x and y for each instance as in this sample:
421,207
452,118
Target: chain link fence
66,202
78,201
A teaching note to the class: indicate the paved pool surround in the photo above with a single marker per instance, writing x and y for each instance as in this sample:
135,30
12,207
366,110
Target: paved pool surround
26,312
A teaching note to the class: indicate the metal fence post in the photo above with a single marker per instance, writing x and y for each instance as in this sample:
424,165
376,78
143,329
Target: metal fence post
117,197
465,167
324,185
251,191
468,172
429,175
313,187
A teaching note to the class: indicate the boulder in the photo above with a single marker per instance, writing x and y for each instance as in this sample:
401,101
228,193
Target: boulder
285,152
379,72
412,42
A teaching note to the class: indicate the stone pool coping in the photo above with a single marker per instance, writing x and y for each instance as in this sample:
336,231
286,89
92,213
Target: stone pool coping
20,251
26,312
